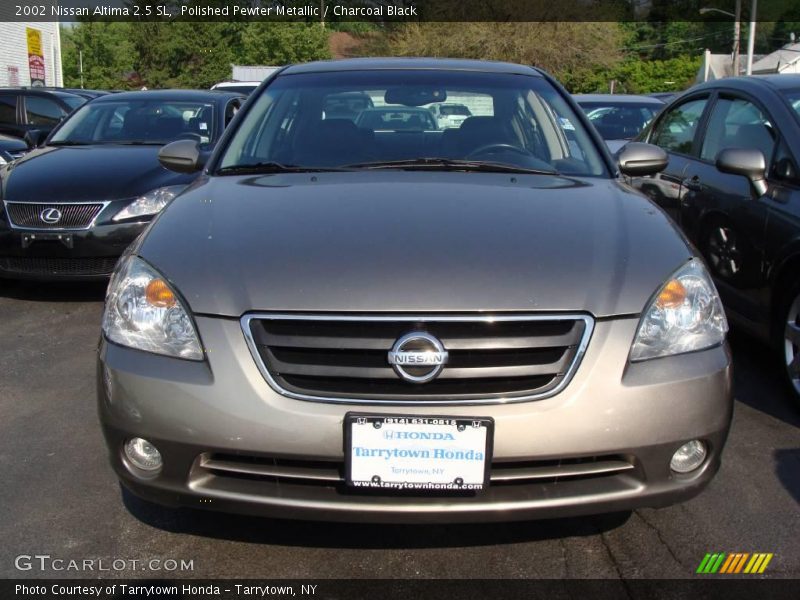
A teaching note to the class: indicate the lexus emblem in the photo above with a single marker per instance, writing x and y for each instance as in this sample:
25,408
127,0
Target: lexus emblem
418,357
51,216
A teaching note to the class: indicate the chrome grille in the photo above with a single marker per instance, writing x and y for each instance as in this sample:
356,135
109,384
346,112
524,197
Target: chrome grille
28,215
329,472
492,359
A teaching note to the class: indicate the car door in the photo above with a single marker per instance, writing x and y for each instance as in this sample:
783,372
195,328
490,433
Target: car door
721,212
9,116
676,131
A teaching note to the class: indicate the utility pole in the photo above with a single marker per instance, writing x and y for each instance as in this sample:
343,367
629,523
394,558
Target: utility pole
80,65
751,37
737,36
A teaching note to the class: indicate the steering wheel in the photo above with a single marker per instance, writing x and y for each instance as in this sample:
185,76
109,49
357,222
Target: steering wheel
498,146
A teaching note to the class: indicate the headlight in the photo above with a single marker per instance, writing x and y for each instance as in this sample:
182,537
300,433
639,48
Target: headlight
142,311
149,204
685,315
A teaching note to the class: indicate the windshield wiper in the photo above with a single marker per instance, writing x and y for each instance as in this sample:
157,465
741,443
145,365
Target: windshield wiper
448,164
70,143
271,167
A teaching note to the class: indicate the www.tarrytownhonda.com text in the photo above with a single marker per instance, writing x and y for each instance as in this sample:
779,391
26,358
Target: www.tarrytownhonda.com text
46,562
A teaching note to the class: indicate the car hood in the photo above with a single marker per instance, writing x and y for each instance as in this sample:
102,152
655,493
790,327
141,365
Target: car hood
390,241
81,173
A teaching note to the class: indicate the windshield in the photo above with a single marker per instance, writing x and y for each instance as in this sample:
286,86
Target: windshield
515,121
619,121
137,122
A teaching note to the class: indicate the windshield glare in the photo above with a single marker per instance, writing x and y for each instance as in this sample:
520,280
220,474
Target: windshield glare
344,119
619,121
138,121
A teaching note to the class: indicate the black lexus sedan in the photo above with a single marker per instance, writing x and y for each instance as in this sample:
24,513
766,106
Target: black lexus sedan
71,206
733,186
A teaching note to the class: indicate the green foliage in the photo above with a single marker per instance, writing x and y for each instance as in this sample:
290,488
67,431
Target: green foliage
635,76
192,54
282,43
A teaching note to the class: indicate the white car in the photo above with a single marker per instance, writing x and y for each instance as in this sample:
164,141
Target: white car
450,115
243,87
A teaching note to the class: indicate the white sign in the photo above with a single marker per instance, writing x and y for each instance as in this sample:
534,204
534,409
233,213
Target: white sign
418,453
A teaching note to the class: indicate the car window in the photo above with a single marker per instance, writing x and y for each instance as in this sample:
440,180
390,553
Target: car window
619,121
43,111
8,110
142,121
319,120
737,123
675,131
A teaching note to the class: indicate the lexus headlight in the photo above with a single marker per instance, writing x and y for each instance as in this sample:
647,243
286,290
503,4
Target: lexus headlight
143,311
149,204
684,316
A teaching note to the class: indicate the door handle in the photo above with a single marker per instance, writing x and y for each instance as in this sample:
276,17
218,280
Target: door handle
693,184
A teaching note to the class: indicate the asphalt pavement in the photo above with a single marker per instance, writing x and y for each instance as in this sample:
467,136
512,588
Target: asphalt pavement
60,499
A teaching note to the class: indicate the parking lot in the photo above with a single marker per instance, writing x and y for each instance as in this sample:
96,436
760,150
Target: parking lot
60,498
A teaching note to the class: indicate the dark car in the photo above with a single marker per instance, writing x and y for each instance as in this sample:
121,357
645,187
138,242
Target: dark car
734,148
618,117
34,111
14,147
479,323
397,118
71,206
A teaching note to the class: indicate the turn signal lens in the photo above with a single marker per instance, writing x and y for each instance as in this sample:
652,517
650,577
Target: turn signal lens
685,315
672,296
158,294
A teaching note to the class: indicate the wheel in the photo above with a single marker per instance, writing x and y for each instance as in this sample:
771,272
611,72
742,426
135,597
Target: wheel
789,346
729,256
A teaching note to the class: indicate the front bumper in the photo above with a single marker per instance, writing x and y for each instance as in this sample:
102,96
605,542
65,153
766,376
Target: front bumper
89,254
222,411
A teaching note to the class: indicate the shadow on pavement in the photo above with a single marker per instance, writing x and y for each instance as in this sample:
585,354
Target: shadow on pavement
47,291
787,466
313,534
758,381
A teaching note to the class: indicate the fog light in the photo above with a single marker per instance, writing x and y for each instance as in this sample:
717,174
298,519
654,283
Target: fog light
688,457
142,454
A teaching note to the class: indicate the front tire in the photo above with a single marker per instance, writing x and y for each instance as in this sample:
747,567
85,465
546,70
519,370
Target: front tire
789,341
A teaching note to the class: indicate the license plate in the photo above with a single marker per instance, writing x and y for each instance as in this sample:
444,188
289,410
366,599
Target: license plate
417,453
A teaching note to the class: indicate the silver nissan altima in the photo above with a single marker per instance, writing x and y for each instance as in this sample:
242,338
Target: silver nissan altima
402,323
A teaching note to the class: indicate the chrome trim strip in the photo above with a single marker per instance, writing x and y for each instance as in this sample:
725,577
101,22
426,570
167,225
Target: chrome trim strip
573,367
11,224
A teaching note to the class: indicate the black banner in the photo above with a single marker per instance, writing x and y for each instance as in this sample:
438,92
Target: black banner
735,588
388,11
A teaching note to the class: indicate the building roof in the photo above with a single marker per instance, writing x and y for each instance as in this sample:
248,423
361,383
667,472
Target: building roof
778,60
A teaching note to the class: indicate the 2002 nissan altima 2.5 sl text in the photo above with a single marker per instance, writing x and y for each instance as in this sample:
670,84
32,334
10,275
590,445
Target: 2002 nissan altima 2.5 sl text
469,324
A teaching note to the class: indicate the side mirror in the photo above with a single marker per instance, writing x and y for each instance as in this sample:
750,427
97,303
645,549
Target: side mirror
638,159
182,156
748,162
35,137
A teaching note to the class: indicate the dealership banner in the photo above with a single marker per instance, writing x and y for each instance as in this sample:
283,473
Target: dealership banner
387,11
397,589
35,57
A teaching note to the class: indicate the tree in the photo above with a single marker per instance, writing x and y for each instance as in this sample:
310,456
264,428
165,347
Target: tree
283,42
107,55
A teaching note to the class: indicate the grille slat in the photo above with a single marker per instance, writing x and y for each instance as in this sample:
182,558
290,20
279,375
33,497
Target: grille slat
345,358
32,265
28,215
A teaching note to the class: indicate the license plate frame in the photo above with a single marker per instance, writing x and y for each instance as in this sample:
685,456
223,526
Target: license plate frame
433,423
